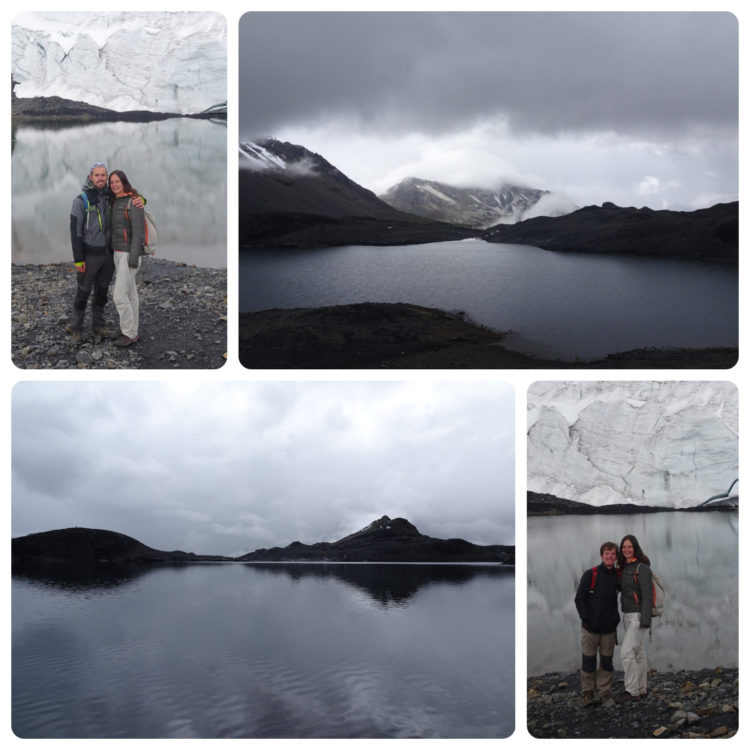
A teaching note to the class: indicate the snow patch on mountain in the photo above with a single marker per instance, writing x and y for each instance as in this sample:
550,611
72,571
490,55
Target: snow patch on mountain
437,193
668,444
155,62
256,156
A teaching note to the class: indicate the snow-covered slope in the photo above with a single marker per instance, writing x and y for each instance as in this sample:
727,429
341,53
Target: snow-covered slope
155,62
474,207
672,444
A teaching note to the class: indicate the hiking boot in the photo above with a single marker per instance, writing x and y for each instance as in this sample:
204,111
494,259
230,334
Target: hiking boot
588,698
125,341
607,700
76,337
102,331
628,698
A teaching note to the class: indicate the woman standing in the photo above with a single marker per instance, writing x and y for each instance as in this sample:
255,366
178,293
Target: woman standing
635,602
128,236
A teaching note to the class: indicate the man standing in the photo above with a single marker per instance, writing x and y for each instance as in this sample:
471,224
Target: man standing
596,602
92,255
89,226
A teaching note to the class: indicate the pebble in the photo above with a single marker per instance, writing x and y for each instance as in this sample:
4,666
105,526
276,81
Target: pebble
183,319
700,703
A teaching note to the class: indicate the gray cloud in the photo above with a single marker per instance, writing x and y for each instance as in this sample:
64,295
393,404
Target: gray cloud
442,72
227,468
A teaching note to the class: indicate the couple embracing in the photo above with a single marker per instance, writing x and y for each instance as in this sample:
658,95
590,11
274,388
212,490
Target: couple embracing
107,231
625,570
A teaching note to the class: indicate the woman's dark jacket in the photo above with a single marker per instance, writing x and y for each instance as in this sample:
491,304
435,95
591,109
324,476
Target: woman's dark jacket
636,595
597,604
128,228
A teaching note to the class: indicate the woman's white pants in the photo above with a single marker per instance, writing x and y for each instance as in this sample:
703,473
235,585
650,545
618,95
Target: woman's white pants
125,295
633,654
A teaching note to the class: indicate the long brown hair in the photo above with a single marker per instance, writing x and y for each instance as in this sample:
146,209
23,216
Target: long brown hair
126,186
638,553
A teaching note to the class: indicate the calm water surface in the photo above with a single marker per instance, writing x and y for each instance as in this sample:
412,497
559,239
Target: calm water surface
695,553
555,304
179,164
264,651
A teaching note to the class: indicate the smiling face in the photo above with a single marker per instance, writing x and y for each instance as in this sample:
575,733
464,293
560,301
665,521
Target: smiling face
99,176
115,185
609,556
627,550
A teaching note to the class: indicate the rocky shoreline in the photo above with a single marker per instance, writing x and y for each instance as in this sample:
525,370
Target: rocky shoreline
400,335
684,704
183,311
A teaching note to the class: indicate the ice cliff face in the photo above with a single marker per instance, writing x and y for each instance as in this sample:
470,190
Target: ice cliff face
671,444
155,62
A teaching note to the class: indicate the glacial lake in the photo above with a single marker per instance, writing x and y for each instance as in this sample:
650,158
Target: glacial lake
179,165
264,651
556,305
696,555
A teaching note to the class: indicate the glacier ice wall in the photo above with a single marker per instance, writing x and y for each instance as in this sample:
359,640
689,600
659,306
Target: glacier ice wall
156,62
670,444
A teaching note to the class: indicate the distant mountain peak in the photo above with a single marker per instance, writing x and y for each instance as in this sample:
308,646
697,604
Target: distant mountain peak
470,206
385,524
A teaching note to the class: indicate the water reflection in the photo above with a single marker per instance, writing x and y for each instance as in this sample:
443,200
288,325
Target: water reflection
620,303
178,164
386,584
232,650
695,553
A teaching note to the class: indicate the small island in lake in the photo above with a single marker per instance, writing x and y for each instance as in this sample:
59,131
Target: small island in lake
384,540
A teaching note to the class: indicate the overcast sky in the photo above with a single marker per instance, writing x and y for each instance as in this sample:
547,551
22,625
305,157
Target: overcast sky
634,108
227,468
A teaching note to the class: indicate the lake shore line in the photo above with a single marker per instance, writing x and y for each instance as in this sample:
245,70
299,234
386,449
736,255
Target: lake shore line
183,314
400,335
682,704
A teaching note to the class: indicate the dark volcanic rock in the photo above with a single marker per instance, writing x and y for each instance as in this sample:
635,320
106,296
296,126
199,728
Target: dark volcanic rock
542,504
387,540
310,203
684,704
56,109
90,545
710,234
405,336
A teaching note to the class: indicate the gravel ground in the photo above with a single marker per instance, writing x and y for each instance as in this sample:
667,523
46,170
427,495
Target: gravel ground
183,315
689,704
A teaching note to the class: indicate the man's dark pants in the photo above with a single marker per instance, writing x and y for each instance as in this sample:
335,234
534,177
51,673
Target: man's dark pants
98,274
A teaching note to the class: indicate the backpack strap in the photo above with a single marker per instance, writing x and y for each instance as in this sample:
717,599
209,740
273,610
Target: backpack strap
593,579
87,209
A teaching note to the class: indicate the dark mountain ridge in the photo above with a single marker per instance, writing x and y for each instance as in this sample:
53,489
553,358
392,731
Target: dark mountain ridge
384,540
292,197
88,545
387,540
55,108
710,234
544,504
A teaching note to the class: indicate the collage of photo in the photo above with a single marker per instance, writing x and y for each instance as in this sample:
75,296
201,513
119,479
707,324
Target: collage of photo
329,314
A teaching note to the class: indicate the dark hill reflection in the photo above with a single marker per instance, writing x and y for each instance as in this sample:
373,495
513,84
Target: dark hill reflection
385,583
80,576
